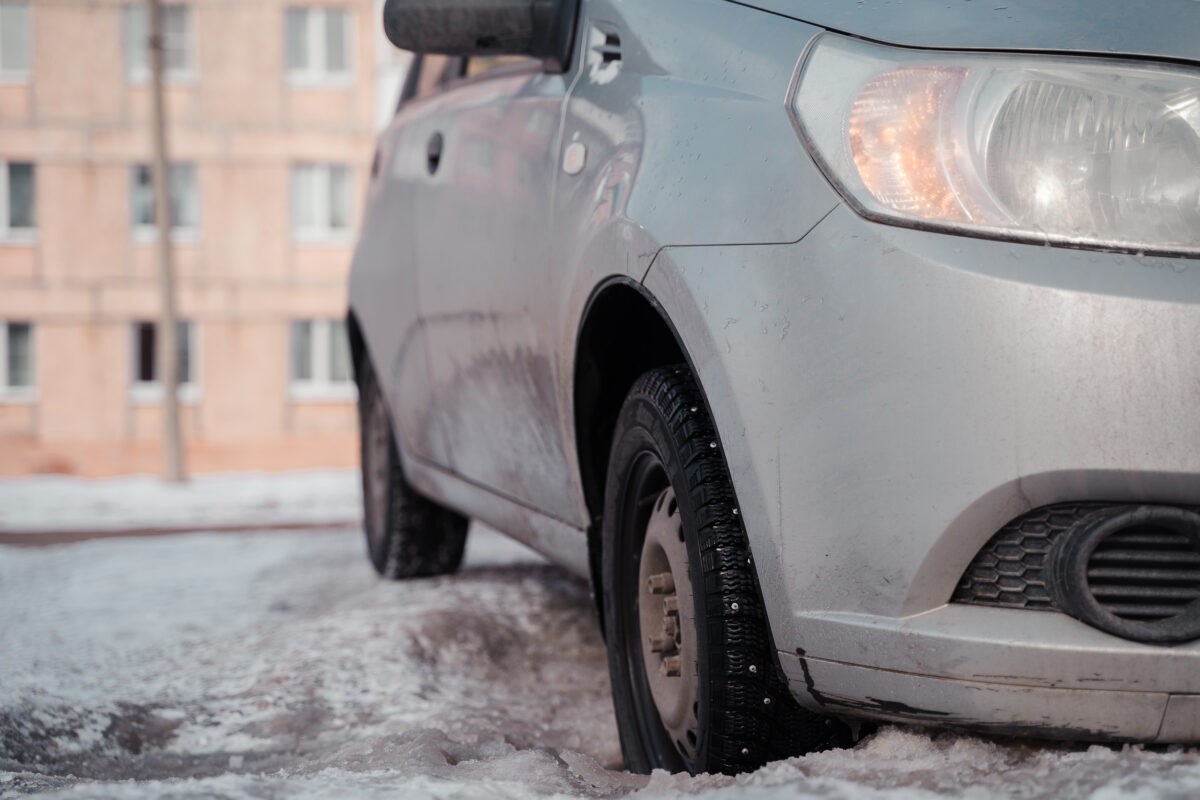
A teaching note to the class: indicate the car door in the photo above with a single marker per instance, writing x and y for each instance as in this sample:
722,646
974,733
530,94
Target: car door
488,285
384,277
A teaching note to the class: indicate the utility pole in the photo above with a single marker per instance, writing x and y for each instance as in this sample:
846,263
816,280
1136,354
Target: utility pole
167,348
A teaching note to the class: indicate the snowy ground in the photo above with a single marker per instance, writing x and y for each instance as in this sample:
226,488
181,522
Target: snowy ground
58,503
263,665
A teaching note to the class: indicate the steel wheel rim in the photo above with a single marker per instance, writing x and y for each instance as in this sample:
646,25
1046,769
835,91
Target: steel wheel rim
666,617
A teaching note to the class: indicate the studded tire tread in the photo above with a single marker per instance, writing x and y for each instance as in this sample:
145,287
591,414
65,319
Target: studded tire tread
750,717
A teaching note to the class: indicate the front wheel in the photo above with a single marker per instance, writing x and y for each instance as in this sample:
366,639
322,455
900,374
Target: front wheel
696,683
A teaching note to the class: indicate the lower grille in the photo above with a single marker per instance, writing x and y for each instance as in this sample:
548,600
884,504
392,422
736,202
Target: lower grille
1008,570
1133,571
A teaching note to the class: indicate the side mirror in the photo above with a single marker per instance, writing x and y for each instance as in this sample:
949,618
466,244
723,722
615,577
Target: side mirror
539,28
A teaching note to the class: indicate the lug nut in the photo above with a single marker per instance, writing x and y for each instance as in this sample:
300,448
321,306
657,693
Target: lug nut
661,644
662,583
671,604
669,667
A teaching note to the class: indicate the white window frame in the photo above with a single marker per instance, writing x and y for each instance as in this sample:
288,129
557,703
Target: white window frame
146,393
180,234
324,202
314,76
321,386
24,74
15,235
140,73
17,394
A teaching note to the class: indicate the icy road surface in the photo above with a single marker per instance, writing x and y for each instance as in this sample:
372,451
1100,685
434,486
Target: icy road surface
57,503
266,665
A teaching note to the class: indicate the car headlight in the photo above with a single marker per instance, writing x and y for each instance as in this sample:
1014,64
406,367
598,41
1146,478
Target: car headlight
1058,150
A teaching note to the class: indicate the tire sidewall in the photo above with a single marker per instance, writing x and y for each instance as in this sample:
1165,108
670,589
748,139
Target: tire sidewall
640,429
378,542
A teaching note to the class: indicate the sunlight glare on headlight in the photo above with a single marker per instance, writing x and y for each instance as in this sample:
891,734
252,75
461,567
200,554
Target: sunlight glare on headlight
1059,150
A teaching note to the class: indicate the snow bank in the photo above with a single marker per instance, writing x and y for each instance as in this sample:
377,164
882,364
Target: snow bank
53,503
907,764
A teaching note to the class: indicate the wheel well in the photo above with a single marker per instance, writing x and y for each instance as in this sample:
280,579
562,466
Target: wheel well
358,348
623,334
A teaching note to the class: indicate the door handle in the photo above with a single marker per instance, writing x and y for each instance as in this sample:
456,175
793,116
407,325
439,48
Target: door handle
433,153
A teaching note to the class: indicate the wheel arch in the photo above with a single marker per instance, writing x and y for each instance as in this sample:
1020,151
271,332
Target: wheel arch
623,332
358,345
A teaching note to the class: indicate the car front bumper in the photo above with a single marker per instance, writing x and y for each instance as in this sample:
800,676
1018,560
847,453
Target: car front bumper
887,399
1003,670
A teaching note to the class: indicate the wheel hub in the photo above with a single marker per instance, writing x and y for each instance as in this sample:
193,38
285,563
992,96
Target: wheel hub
666,615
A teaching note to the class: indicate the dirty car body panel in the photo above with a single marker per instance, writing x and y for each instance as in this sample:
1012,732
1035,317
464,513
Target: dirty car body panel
888,397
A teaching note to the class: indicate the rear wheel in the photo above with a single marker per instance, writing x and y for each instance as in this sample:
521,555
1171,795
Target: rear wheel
407,535
696,682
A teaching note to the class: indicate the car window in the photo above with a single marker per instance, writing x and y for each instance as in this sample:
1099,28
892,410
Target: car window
481,65
432,73
435,72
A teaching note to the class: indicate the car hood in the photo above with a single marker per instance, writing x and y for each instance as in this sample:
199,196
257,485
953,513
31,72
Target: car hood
1159,28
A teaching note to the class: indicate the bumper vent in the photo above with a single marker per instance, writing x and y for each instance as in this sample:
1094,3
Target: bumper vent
1133,571
1008,570
1145,574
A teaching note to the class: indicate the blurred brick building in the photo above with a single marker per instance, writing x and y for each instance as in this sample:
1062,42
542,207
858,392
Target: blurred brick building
273,107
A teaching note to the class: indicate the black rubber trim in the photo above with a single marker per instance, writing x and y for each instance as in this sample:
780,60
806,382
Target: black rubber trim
1072,588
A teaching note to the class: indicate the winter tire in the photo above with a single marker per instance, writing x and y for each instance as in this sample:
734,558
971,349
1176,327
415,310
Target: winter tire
696,682
408,535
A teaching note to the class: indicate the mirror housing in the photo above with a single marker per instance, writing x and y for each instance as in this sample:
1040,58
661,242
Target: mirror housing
538,28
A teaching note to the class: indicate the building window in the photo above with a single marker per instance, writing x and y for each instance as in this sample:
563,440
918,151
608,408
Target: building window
178,46
145,379
317,43
320,359
320,201
18,218
15,39
16,360
185,200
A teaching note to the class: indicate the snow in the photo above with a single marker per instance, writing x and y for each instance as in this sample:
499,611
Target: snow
275,664
58,503
282,654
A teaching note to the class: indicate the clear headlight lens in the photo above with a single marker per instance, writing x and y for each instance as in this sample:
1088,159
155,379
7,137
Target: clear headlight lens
1061,150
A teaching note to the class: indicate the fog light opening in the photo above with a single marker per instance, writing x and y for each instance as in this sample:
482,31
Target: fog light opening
1133,571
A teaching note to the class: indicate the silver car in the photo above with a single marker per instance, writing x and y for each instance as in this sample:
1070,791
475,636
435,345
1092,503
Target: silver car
850,350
